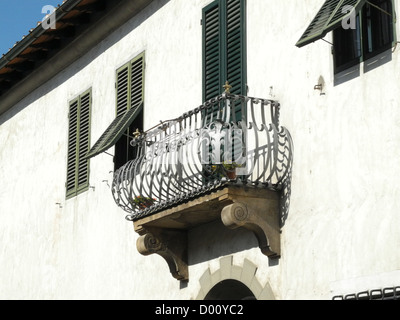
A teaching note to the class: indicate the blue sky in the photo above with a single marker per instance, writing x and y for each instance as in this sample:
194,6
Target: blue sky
17,17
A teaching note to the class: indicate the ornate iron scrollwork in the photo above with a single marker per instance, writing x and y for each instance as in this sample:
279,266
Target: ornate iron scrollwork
194,154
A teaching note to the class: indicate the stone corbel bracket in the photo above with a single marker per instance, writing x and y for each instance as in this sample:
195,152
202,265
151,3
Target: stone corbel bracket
262,220
169,244
166,233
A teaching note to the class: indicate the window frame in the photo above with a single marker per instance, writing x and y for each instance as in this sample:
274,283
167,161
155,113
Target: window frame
361,31
364,32
124,119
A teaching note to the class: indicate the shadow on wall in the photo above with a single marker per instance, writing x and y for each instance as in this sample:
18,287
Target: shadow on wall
285,193
214,240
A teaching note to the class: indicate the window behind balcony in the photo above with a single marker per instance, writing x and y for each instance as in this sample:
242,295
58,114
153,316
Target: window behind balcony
78,145
224,57
224,48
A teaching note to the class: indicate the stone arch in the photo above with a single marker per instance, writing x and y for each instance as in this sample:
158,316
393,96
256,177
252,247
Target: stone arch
240,278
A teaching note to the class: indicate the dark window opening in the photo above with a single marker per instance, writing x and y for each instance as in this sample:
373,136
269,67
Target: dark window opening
377,27
373,35
230,290
124,152
347,47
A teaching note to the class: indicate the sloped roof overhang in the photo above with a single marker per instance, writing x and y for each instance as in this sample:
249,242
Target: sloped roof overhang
80,25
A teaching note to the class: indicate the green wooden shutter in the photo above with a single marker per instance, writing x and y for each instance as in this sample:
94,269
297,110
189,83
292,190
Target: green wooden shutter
212,52
78,145
130,85
84,142
236,59
236,46
122,89
137,81
224,48
114,132
72,148
329,17
236,50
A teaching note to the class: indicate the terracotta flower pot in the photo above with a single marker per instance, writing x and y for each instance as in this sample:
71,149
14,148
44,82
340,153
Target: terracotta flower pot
231,174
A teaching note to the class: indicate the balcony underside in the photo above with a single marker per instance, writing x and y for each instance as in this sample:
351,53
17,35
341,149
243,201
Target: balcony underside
204,209
166,232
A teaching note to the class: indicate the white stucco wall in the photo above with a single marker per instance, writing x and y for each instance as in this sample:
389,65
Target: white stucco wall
341,235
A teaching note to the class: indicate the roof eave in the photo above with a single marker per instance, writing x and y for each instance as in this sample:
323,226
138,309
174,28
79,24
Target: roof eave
20,46
117,13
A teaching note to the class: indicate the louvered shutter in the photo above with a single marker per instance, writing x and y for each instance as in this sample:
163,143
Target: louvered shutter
224,48
235,44
72,148
114,132
329,17
78,145
84,142
235,49
137,85
122,87
212,52
123,104
236,61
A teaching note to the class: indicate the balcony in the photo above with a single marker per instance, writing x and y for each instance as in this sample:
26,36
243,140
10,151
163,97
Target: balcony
228,159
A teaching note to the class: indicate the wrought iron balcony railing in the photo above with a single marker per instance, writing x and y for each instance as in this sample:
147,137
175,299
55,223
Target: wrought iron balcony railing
228,140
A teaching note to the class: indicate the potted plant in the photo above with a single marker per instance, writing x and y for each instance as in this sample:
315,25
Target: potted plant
227,168
143,202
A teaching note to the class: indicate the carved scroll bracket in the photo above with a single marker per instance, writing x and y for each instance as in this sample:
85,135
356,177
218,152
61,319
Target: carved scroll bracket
260,218
166,233
169,244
